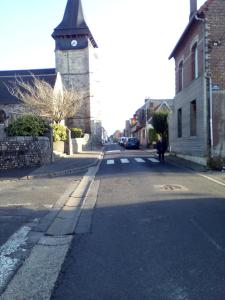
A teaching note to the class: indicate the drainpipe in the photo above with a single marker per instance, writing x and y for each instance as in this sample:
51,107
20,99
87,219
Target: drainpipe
210,117
199,19
209,93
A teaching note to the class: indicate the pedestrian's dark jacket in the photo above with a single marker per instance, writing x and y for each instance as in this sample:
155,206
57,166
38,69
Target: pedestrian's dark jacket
161,146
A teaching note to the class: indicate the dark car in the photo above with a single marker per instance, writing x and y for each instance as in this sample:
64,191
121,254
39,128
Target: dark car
132,143
122,141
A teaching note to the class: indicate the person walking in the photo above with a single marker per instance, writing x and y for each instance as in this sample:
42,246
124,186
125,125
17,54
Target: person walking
161,147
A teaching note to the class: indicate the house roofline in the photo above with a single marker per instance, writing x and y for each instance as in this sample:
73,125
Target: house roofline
191,22
199,14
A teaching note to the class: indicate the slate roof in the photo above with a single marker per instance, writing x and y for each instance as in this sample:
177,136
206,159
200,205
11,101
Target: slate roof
7,77
73,22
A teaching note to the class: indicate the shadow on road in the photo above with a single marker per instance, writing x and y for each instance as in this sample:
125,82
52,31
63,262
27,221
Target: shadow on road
171,249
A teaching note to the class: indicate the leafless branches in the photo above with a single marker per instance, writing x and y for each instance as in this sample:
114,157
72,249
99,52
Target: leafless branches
40,98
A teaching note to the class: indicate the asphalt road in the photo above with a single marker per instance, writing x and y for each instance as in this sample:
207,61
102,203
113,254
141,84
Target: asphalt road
157,233
22,201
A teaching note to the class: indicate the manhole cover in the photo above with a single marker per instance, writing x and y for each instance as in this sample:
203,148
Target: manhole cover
171,187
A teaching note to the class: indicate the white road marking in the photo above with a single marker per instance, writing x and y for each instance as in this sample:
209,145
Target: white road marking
154,160
124,161
7,251
113,151
15,204
140,160
212,179
110,162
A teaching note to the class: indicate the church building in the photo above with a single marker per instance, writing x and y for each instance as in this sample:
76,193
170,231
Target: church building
76,61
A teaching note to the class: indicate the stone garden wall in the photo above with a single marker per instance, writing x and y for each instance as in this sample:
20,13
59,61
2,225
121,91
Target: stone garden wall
18,152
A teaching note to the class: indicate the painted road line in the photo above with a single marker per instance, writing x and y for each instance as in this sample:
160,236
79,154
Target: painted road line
212,179
140,160
154,160
15,204
8,260
110,162
113,151
124,161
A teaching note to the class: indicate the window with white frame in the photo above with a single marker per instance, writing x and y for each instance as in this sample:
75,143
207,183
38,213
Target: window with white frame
194,56
180,76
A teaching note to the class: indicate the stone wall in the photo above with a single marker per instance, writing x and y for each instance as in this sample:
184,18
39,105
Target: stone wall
18,152
2,132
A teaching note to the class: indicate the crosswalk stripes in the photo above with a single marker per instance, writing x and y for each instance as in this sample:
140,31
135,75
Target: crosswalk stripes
154,160
124,161
140,160
137,159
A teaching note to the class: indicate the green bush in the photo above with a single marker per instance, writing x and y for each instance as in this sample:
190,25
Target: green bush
160,123
216,163
59,132
152,136
76,133
27,125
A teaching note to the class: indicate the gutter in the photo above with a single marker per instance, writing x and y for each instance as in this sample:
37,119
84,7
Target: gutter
210,118
208,93
209,96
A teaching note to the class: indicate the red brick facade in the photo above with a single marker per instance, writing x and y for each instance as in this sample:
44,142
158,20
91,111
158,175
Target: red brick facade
185,54
206,31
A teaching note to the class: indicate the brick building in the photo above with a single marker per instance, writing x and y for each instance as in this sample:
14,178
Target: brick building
77,63
197,124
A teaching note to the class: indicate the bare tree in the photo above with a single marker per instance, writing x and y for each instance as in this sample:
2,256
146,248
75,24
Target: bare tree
39,97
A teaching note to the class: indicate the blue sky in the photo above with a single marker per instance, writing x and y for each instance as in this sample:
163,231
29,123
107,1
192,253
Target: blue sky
134,37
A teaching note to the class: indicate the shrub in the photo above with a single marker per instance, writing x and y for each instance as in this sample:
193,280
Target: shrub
59,132
216,163
160,123
76,133
152,135
27,125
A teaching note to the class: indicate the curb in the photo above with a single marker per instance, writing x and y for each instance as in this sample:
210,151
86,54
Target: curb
62,172
40,270
53,174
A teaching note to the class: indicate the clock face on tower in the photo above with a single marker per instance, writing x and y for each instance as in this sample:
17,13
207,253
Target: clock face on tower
74,43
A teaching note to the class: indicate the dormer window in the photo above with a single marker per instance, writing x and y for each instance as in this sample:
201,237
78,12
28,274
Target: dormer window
180,76
194,58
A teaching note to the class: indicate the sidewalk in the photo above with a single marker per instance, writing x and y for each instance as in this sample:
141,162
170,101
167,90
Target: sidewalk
40,246
63,165
216,176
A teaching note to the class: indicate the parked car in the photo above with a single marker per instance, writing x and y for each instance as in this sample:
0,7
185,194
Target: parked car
132,143
122,140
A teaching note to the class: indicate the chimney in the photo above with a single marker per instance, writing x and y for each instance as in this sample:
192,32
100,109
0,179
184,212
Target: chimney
193,8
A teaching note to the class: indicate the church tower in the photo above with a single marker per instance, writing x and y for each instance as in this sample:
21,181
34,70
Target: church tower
74,53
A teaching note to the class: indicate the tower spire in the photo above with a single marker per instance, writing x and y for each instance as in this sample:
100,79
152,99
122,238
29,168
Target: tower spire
73,23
